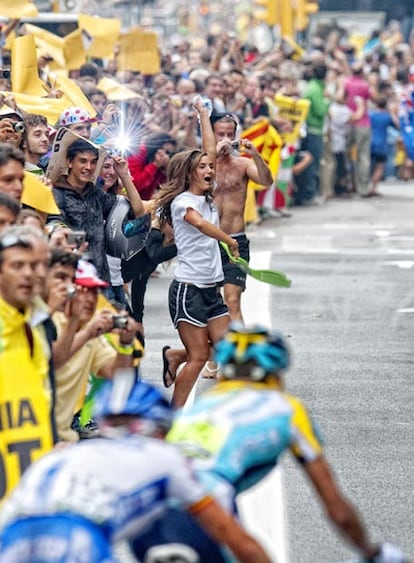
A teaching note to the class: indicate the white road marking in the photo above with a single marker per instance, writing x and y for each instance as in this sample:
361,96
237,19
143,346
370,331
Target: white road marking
262,508
408,310
403,264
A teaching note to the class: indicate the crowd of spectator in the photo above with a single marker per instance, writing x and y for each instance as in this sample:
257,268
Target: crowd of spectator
55,266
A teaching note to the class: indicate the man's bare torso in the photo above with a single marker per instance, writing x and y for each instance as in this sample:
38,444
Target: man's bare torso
230,194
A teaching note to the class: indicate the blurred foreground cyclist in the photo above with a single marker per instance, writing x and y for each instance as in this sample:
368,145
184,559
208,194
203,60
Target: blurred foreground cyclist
73,503
238,429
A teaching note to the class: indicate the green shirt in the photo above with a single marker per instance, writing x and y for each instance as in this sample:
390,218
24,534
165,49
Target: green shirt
319,105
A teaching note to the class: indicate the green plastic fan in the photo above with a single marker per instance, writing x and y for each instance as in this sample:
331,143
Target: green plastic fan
273,277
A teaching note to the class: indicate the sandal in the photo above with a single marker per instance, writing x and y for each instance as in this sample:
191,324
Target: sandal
167,376
210,373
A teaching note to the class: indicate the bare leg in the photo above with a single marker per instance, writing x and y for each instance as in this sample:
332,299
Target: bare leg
196,342
232,298
217,328
377,175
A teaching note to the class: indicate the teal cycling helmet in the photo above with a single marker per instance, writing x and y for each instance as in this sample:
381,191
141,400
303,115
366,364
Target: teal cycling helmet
267,350
125,395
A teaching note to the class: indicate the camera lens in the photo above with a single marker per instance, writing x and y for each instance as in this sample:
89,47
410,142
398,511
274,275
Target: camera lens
19,127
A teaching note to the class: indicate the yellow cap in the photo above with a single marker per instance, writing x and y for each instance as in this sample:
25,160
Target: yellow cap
37,195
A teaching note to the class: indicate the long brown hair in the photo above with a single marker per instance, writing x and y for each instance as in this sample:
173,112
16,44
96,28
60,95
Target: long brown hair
180,173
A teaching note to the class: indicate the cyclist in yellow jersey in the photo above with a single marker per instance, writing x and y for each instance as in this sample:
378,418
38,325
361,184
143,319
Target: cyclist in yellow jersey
236,431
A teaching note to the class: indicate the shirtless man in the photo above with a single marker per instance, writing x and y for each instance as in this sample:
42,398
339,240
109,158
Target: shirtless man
233,172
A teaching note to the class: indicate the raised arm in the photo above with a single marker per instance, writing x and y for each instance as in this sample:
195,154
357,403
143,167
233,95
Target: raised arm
208,141
121,168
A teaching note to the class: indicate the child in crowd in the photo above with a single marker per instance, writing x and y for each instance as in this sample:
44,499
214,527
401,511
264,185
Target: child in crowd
381,119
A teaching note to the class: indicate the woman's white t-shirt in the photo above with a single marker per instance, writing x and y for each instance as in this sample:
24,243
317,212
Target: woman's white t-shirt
199,260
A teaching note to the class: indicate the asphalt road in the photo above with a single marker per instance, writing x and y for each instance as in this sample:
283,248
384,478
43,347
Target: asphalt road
349,318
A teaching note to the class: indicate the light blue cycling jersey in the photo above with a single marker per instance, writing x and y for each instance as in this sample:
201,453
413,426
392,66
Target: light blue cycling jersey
237,430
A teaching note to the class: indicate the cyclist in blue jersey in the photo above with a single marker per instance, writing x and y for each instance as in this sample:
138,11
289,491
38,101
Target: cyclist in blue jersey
236,432
73,503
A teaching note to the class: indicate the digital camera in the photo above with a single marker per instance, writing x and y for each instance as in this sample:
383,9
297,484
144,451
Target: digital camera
70,291
5,73
76,237
19,127
119,321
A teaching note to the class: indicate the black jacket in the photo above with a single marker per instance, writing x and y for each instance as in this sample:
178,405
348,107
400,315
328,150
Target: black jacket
145,262
85,210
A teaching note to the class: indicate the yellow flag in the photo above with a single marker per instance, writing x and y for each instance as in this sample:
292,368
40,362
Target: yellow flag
116,91
104,32
24,72
73,50
18,9
138,51
9,41
73,95
49,43
51,108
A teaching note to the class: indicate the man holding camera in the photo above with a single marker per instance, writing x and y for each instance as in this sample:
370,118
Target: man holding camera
233,172
90,350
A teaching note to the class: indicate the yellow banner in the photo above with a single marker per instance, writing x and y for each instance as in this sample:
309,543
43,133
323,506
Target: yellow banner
116,91
294,110
73,95
9,41
25,429
104,32
138,51
18,9
51,108
73,50
48,43
24,72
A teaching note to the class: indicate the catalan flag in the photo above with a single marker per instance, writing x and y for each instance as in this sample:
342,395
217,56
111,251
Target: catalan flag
269,143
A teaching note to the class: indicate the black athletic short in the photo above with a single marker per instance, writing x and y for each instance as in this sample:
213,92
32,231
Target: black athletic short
232,273
195,305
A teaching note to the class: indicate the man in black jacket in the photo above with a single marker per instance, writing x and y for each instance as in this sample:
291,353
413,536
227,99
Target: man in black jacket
84,206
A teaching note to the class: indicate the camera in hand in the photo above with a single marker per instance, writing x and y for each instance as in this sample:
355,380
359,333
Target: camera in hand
19,127
5,73
70,291
76,237
112,153
119,321
235,145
